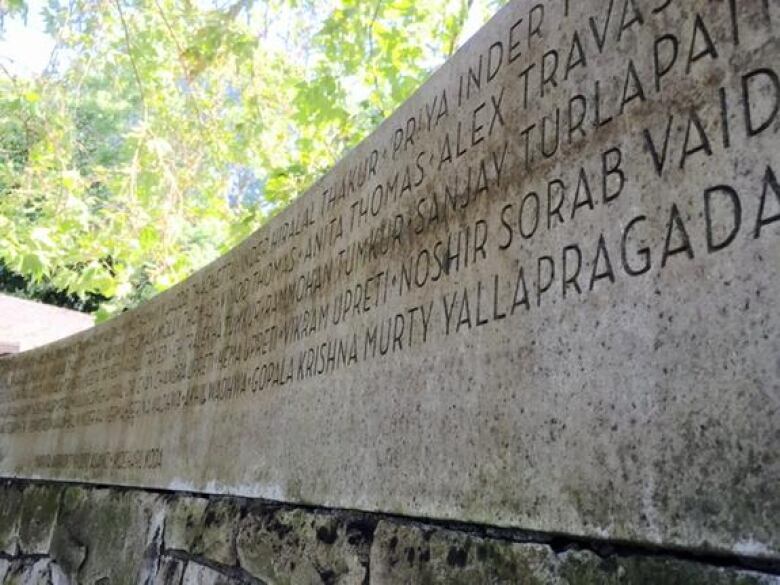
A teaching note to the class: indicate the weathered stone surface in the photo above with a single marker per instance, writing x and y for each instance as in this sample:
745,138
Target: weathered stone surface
169,572
106,536
294,546
38,572
103,534
403,554
201,575
543,294
184,521
217,538
205,528
38,516
10,511
411,555
69,552
584,568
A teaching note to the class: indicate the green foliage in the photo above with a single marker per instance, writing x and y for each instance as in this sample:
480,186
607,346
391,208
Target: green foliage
162,133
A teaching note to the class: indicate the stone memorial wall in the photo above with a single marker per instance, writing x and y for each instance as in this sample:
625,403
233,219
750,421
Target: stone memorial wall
542,296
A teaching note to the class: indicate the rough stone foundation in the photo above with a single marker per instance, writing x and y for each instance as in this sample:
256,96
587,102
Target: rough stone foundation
67,533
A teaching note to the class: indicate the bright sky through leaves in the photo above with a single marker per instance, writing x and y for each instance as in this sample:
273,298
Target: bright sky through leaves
25,47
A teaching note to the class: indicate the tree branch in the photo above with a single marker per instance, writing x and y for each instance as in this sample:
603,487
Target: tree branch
130,54
371,43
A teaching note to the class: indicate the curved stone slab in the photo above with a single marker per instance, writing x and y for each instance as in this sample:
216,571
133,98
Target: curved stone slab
543,294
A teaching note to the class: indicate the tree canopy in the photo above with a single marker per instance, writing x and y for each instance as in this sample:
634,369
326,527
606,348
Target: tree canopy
162,132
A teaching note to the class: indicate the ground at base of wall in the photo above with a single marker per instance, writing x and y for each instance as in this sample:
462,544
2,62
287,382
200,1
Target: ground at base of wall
64,534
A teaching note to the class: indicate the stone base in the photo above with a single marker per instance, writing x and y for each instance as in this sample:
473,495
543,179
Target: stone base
58,534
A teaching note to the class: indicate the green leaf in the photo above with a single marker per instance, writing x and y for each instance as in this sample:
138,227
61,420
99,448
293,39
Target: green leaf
33,266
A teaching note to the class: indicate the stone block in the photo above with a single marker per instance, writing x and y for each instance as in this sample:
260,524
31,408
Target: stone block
105,534
183,522
586,568
287,547
203,528
33,572
196,574
38,517
217,538
405,554
169,572
409,554
10,512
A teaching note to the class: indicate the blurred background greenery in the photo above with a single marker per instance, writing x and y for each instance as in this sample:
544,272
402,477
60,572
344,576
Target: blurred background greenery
157,134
